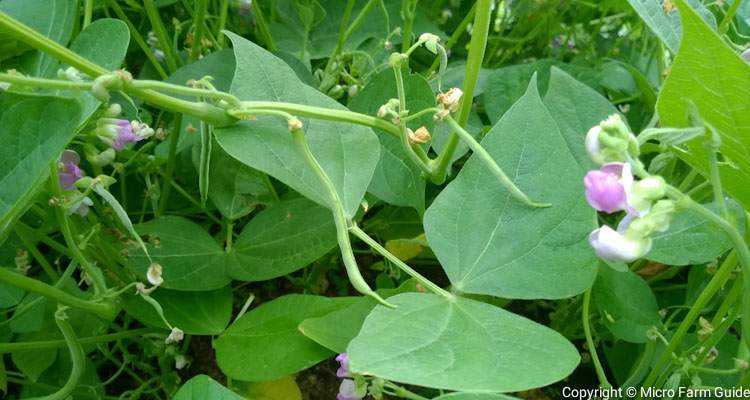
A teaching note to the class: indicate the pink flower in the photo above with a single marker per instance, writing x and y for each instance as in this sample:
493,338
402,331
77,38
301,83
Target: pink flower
607,189
343,371
68,171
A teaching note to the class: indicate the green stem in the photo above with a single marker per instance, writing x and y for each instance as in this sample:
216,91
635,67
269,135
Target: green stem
194,201
342,33
207,112
263,26
222,23
324,114
729,16
88,10
173,141
460,30
161,34
100,286
138,39
339,217
77,357
395,260
644,363
712,144
477,47
713,286
603,382
105,310
421,159
408,11
25,235
199,20
490,163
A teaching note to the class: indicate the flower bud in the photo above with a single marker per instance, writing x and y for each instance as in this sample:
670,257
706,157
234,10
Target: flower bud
97,158
430,41
113,110
353,90
397,59
294,124
84,183
70,74
644,193
175,336
420,136
611,141
343,371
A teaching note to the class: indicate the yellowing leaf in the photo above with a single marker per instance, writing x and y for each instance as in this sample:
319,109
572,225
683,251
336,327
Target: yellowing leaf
406,249
282,389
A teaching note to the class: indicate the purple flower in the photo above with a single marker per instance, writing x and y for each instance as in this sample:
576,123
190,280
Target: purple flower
348,391
124,135
68,171
343,371
607,189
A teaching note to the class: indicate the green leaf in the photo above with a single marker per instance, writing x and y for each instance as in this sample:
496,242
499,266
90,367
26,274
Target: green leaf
53,19
196,313
281,239
691,239
34,131
10,295
716,80
666,25
348,153
490,243
202,387
459,344
104,42
288,31
626,303
236,189
264,344
397,180
506,85
191,259
336,329
34,362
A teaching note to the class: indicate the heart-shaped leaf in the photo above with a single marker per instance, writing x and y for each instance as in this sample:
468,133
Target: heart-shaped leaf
459,344
490,243
348,153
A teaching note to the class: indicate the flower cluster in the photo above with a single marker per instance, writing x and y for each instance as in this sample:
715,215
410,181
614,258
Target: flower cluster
117,132
613,188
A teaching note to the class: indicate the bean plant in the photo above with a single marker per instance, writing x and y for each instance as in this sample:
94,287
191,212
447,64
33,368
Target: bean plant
374,199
